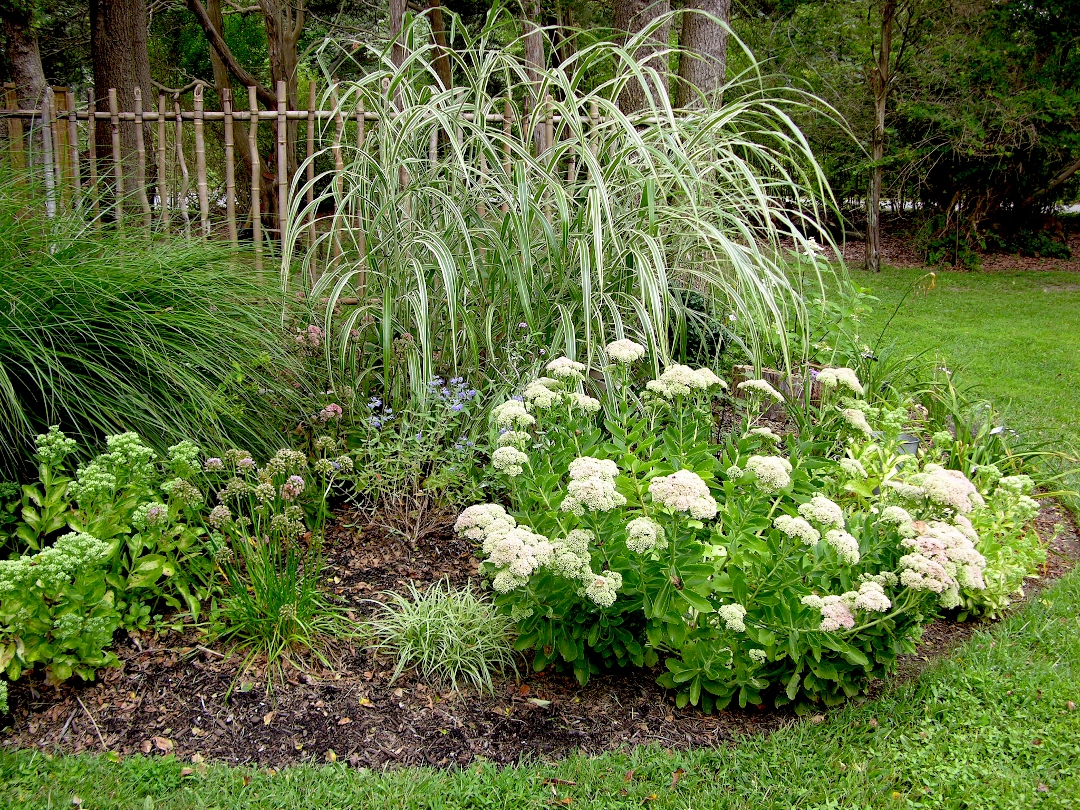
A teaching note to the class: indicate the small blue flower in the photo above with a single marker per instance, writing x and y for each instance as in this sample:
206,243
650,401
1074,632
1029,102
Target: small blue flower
436,382
518,398
457,406
336,465
419,436
457,381
523,325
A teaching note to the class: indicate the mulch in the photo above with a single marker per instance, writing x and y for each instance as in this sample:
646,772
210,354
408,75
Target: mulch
171,694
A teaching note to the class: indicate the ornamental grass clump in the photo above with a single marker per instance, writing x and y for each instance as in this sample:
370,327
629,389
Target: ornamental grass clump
450,636
742,564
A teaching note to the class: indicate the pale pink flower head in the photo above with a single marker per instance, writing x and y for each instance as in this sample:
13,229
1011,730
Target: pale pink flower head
292,488
331,412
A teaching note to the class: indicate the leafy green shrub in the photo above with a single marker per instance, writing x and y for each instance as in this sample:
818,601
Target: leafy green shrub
450,635
641,537
102,332
57,610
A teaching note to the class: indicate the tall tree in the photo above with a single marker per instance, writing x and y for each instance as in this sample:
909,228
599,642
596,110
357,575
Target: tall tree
881,78
118,47
704,42
534,61
631,18
25,57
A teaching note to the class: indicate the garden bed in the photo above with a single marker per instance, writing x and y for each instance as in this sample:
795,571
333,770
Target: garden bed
169,695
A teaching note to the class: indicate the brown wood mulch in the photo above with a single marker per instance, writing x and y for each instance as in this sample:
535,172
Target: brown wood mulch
169,694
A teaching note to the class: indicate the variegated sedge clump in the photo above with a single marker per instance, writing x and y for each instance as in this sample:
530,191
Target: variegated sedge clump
740,560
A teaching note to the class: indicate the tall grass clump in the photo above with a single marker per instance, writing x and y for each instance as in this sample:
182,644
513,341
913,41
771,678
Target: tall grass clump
459,238
103,332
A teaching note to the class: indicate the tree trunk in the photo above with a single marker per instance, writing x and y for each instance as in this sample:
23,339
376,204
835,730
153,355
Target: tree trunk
632,17
27,73
880,80
284,23
703,62
442,54
118,47
534,63
222,81
397,24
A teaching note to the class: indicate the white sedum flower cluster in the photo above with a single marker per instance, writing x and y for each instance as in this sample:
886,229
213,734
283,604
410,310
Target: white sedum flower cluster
797,528
949,489
773,472
837,612
761,387
823,511
509,461
516,553
603,588
478,521
764,433
856,420
942,559
846,546
512,415
583,402
733,615
853,468
592,487
680,381
842,377
684,491
625,351
644,534
540,395
563,368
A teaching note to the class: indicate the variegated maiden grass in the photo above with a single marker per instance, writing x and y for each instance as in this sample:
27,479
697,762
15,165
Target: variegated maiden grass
454,232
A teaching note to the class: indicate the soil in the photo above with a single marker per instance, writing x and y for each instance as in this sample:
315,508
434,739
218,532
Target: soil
171,693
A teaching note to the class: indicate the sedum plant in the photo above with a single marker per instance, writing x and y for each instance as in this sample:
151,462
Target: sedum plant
639,535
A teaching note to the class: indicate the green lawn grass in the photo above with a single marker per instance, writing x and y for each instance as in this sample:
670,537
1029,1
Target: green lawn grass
993,726
1014,337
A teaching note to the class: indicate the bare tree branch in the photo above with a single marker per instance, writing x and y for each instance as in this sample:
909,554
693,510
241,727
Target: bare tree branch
219,44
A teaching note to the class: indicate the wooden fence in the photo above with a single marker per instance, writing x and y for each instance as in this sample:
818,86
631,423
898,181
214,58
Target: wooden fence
82,174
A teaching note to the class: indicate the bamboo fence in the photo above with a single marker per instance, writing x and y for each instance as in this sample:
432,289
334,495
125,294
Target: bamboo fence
161,195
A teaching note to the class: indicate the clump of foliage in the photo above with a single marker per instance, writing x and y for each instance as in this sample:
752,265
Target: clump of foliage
643,538
449,635
103,332
120,537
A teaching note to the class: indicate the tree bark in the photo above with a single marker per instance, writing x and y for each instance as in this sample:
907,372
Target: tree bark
118,47
703,62
284,24
27,73
534,63
442,53
632,17
222,82
880,81
397,24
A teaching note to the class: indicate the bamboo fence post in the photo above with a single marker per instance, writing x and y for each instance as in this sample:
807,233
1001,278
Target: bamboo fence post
508,122
48,159
282,160
339,173
481,208
256,171
200,164
91,142
140,147
59,151
73,144
433,148
311,165
15,129
185,178
230,171
162,185
118,166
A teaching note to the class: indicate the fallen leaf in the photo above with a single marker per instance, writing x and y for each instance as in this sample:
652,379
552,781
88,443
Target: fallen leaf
554,781
163,744
1070,705
543,704
629,775
268,718
817,719
331,756
676,776
186,772
1042,788
344,721
147,746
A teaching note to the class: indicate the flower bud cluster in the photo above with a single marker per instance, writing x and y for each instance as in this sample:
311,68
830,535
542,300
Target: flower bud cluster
680,381
644,534
684,491
942,559
773,472
592,487
798,528
762,388
625,351
822,511
509,461
842,377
